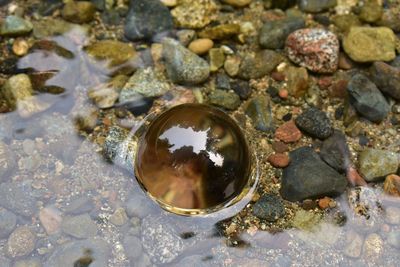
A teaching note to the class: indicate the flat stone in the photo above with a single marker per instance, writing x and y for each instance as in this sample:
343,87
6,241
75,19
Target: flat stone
302,178
367,99
375,164
335,151
394,239
69,254
18,198
119,217
392,215
315,6
368,44
305,220
8,221
279,160
257,65
373,247
21,242
195,15
288,132
147,18
314,49
133,245
51,219
237,3
269,208
259,110
315,122
220,32
386,78
81,226
354,244
222,98
15,26
79,12
273,34
184,66
114,52
371,12
297,81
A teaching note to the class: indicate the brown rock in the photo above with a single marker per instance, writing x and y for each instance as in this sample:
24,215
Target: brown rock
324,203
280,147
392,185
221,32
297,80
21,242
50,218
79,12
201,46
288,132
279,160
237,3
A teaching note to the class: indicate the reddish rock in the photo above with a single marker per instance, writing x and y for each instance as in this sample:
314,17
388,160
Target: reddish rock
50,218
324,203
325,82
392,185
345,63
279,160
283,93
314,49
338,89
280,147
288,132
278,76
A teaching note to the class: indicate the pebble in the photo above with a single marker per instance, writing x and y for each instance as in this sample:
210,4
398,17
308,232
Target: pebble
259,110
18,197
273,34
15,26
288,132
119,217
371,12
346,21
146,18
242,88
314,49
390,19
315,122
373,247
305,220
220,32
7,162
144,83
50,218
237,3
392,215
217,58
280,147
201,46
354,244
302,180
133,245
114,52
184,66
194,15
169,3
375,164
367,99
368,44
282,4
391,185
68,254
315,6
8,221
394,239
222,81
254,65
185,36
386,78
222,98
17,88
21,242
81,226
78,12
324,203
279,160
232,65
79,205
297,80
335,151
269,207
20,47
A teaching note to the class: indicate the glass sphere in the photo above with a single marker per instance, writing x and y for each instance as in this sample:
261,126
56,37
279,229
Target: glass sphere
193,158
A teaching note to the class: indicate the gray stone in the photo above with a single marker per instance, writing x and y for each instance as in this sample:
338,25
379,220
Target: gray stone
396,62
367,99
273,34
28,263
259,110
80,205
70,253
392,215
269,208
184,66
145,82
119,217
394,239
133,247
8,221
7,162
81,226
257,65
335,151
224,99
18,198
354,244
386,78
21,242
315,6
15,26
375,164
147,18
160,240
315,122
302,179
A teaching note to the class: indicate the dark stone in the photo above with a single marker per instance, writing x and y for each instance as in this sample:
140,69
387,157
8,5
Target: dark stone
386,78
367,99
147,18
396,62
315,122
4,2
18,198
10,66
269,208
222,82
287,117
242,88
335,151
283,4
259,110
303,178
273,34
255,66
315,6
322,19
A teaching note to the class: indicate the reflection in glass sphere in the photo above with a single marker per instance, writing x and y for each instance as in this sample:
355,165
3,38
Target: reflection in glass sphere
192,159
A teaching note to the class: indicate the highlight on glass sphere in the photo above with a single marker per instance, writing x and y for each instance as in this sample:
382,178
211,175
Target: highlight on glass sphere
193,159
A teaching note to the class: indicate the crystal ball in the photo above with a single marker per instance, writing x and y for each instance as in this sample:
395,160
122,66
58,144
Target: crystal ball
193,158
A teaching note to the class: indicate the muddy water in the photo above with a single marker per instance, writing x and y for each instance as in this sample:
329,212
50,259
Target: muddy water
82,210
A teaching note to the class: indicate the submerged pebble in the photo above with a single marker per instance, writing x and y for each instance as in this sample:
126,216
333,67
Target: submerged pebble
269,208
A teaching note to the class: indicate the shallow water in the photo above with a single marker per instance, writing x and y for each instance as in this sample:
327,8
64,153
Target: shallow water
86,211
